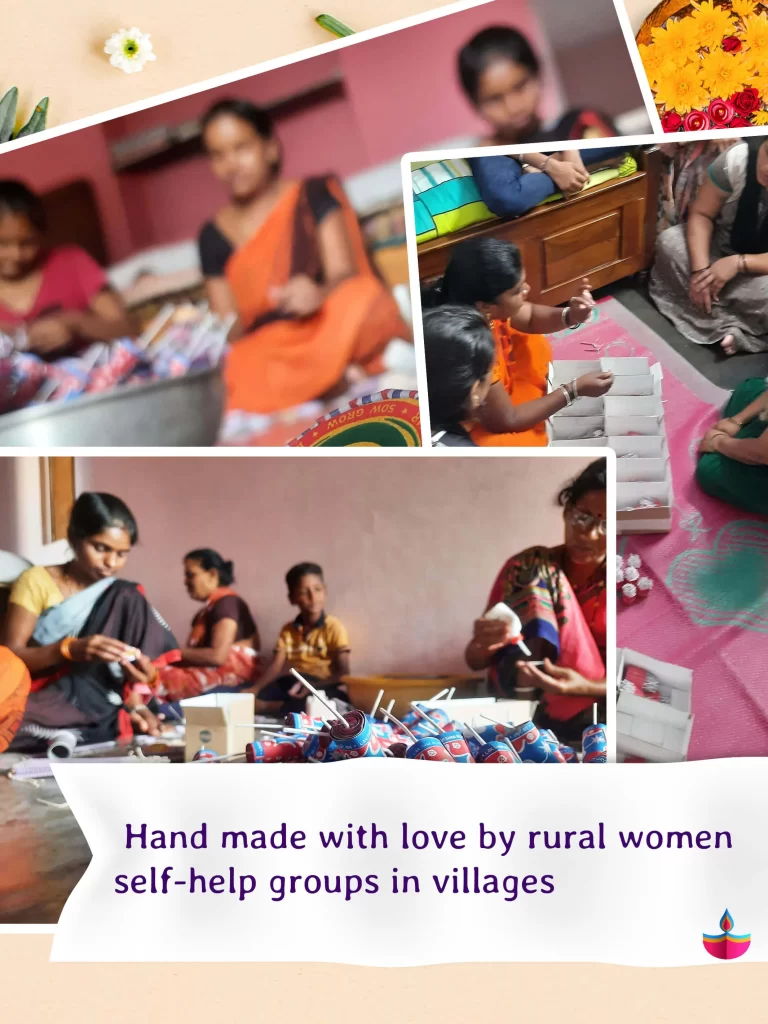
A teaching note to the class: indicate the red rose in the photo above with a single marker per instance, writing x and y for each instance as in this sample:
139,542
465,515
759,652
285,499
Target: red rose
696,121
731,44
740,122
671,122
721,112
746,102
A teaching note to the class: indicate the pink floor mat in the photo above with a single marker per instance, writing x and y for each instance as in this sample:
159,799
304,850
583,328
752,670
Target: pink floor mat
708,610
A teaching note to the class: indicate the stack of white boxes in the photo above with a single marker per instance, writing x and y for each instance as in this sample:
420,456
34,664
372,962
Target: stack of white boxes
649,730
629,419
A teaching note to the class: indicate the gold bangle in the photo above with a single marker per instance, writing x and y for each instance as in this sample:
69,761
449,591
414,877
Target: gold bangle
65,648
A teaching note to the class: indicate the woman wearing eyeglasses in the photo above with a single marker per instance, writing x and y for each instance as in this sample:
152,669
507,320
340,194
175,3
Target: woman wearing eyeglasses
559,595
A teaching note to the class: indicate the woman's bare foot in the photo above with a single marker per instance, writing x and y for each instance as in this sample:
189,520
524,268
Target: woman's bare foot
728,345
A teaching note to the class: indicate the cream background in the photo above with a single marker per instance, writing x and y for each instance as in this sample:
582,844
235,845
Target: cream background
35,990
55,49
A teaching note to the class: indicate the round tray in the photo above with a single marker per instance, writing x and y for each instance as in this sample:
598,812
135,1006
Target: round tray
183,412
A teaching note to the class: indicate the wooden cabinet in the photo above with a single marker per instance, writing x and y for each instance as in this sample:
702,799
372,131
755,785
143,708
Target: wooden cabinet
605,234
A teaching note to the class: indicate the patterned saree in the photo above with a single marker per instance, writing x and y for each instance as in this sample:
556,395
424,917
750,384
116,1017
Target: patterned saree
570,621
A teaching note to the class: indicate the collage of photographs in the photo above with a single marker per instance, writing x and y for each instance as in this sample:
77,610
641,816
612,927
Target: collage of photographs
499,249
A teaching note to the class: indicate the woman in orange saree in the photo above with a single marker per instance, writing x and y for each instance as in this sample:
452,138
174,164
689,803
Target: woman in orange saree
487,273
289,259
559,595
15,682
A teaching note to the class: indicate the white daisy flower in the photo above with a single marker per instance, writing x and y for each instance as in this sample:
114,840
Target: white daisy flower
129,50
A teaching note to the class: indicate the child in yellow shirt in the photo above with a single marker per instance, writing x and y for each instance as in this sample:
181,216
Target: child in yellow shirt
314,643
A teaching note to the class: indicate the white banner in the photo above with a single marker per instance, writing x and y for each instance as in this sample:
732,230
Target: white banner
406,863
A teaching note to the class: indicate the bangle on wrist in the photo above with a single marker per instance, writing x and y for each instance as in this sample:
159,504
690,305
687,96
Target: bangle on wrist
574,389
700,270
566,392
544,165
65,648
743,268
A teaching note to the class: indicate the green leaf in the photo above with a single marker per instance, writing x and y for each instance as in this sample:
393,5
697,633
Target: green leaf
8,113
334,26
36,123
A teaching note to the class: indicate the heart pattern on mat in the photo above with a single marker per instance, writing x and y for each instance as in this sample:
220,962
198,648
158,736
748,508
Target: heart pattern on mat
727,584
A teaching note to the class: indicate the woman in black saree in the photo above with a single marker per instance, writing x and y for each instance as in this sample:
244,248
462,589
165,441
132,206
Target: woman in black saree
92,642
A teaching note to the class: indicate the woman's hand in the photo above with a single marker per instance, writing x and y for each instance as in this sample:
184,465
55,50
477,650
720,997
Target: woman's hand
568,177
710,441
48,334
580,306
143,721
140,671
554,679
100,648
489,635
700,293
716,277
729,427
593,385
300,297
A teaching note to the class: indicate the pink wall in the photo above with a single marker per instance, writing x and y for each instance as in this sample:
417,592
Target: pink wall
410,545
401,94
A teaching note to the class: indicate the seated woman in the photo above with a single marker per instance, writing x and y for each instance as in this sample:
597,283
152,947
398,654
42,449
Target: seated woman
91,641
222,649
501,77
710,276
59,296
487,273
560,596
733,462
289,259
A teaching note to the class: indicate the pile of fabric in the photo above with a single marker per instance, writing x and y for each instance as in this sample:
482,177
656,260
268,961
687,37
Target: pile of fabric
180,340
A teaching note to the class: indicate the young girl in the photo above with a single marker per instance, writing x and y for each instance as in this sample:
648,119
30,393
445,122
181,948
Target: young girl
58,295
487,273
501,77
460,355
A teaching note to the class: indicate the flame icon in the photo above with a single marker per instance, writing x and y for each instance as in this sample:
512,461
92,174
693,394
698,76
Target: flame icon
726,945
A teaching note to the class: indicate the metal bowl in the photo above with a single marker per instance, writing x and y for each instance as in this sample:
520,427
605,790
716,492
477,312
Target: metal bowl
183,412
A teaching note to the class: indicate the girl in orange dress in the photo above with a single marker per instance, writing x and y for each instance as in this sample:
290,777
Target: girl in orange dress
288,258
487,273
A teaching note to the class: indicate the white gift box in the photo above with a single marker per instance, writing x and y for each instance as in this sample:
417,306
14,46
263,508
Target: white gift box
585,442
650,446
625,365
640,469
649,729
640,426
629,419
632,517
570,428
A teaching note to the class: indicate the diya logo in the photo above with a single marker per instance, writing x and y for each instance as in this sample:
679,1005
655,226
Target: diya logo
726,945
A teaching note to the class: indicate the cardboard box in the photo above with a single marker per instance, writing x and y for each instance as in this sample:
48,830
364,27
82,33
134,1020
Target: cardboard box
648,729
215,721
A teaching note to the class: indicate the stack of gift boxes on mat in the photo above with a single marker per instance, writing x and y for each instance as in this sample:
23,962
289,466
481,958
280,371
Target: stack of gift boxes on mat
430,731
629,419
180,340
653,709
